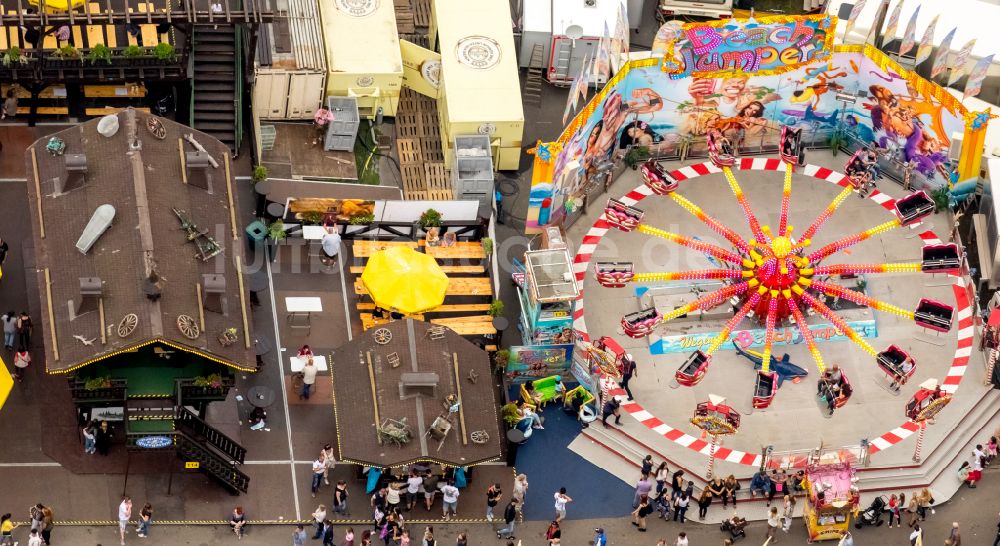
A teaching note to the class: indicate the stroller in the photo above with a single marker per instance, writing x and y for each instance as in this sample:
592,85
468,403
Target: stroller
735,526
873,514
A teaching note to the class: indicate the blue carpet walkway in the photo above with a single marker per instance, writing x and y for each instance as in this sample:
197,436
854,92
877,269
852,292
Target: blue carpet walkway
549,464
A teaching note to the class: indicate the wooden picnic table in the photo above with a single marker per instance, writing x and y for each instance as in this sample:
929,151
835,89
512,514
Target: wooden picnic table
448,269
461,250
457,286
365,248
446,308
475,325
369,320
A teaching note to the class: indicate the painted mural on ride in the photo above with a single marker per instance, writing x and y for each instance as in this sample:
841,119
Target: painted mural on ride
746,78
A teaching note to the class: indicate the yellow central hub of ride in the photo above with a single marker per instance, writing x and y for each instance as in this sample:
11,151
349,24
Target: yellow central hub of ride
781,247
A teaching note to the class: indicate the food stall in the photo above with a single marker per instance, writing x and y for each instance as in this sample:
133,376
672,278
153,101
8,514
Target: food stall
290,68
832,499
362,54
480,91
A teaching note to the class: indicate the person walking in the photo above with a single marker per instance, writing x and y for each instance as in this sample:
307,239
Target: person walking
926,502
554,534
704,501
431,481
642,488
34,539
519,491
24,330
846,540
340,499
911,510
9,320
319,516
413,484
124,516
561,499
611,407
449,499
428,537
299,536
145,520
894,503
773,522
629,370
917,536
682,539
787,511
661,475
955,536
22,359
89,439
677,483
644,509
493,495
509,517
329,462
102,439
328,533
331,246
36,514
9,105
647,465
600,538
462,539
45,529
317,475
348,537
681,506
308,379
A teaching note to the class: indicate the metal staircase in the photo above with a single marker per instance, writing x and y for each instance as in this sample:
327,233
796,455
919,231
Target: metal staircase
210,463
216,87
186,421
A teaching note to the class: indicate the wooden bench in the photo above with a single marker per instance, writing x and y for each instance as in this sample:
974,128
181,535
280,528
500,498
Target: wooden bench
365,249
448,269
114,91
476,325
50,92
459,286
45,110
108,110
369,320
453,308
107,35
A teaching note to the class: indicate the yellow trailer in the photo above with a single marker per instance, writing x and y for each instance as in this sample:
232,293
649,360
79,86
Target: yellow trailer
362,53
480,91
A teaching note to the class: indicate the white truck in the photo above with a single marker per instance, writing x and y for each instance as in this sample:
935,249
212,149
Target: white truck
694,9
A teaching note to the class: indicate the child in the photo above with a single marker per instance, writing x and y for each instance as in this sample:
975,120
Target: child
991,450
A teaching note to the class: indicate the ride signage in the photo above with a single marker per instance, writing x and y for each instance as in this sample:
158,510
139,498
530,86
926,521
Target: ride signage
732,47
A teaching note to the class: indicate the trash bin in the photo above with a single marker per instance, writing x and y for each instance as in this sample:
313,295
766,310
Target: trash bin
257,231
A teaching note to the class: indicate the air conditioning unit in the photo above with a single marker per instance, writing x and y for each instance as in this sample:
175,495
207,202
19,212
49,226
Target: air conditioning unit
553,238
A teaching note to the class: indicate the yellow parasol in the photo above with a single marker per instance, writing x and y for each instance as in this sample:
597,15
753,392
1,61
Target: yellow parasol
403,280
6,383
53,6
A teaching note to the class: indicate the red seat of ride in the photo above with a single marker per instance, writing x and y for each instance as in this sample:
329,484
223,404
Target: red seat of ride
720,151
914,207
693,369
933,315
641,323
657,178
622,216
944,258
790,148
891,362
613,274
764,389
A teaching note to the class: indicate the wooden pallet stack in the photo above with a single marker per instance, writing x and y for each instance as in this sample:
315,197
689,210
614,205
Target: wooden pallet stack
404,17
418,144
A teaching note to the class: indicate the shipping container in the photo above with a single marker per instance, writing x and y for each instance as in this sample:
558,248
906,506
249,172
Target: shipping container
290,72
480,88
362,52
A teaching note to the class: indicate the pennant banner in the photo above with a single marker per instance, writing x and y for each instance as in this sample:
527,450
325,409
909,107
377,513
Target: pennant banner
961,60
855,11
926,43
941,59
893,25
910,34
602,59
976,77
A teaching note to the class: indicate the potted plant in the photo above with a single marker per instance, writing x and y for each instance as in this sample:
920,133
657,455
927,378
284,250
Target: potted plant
496,308
13,56
67,52
133,51
259,174
99,53
430,218
510,414
95,383
636,155
228,337
487,247
164,52
276,230
362,219
500,359
941,198
212,380
312,218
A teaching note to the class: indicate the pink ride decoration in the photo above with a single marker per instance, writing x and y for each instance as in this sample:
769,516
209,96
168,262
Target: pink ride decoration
657,178
720,151
622,216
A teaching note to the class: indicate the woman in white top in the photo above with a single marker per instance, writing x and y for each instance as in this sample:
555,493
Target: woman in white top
329,461
519,490
773,522
308,378
318,516
786,513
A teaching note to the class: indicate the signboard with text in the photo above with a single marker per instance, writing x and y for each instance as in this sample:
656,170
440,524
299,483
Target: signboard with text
748,339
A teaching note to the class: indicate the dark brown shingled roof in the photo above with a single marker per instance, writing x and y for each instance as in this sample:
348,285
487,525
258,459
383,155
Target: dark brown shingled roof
143,187
355,411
